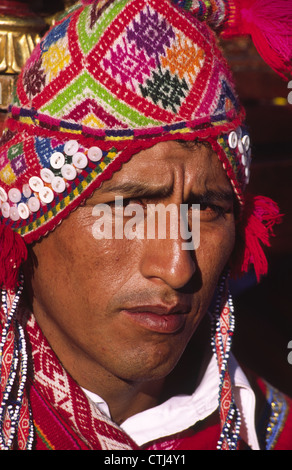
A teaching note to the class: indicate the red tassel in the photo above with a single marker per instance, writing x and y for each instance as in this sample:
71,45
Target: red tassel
13,253
254,230
269,23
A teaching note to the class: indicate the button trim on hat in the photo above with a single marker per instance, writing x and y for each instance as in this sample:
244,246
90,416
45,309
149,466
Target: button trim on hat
57,160
3,195
36,183
33,204
23,210
14,195
71,147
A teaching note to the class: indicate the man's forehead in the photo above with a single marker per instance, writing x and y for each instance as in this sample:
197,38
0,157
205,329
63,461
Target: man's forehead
157,163
157,171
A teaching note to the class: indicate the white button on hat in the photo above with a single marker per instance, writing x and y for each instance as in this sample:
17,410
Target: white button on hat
69,172
14,214
94,154
23,210
71,147
247,174
240,146
33,204
79,160
58,184
3,195
57,160
47,175
14,195
232,140
5,209
246,142
26,191
46,195
36,183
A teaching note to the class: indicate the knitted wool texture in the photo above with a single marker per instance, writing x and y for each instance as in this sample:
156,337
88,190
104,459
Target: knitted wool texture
120,76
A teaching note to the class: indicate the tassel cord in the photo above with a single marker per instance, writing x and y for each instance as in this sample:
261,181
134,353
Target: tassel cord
230,424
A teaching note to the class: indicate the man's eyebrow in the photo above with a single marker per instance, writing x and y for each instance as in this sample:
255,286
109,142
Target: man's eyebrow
141,190
136,189
191,144
209,196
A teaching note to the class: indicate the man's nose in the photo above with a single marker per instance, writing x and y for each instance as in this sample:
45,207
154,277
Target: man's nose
165,259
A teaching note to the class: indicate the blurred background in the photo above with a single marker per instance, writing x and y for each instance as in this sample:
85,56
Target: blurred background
263,312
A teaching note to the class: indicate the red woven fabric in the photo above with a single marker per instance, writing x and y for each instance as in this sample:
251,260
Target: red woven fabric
64,419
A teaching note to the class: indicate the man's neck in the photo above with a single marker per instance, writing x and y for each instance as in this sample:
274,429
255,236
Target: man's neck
134,399
125,397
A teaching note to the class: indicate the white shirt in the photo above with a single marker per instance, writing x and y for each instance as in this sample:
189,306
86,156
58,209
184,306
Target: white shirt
182,411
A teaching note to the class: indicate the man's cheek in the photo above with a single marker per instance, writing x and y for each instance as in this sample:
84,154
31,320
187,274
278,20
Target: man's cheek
212,258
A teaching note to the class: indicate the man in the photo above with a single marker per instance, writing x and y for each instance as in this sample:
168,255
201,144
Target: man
105,335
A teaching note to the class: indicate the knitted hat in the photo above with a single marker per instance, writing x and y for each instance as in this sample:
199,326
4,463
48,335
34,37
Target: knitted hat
112,78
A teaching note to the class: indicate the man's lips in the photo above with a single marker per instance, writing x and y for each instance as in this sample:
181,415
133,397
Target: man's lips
158,318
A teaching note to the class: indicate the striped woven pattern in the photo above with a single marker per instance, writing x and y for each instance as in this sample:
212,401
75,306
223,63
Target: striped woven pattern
148,64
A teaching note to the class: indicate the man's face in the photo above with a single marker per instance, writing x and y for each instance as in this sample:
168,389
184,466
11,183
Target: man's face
126,309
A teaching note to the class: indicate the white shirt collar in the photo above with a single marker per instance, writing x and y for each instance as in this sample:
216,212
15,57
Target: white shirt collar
182,411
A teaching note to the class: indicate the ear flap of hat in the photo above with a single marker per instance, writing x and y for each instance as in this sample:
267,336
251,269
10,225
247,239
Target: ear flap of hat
268,22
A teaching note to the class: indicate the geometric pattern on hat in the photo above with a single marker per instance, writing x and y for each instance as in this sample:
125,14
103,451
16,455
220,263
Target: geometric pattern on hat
147,62
122,76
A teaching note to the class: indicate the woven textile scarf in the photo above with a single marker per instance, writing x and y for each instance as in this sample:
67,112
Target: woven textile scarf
74,422
55,414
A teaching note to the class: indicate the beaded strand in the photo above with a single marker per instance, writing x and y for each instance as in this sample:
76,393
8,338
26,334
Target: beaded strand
231,427
19,353
15,409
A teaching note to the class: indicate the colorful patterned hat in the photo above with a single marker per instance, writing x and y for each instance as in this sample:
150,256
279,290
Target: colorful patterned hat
109,79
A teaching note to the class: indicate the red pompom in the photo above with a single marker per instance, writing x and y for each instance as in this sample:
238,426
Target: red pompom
269,23
255,229
13,253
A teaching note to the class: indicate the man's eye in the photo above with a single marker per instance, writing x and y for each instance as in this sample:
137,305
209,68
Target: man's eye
130,201
211,211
